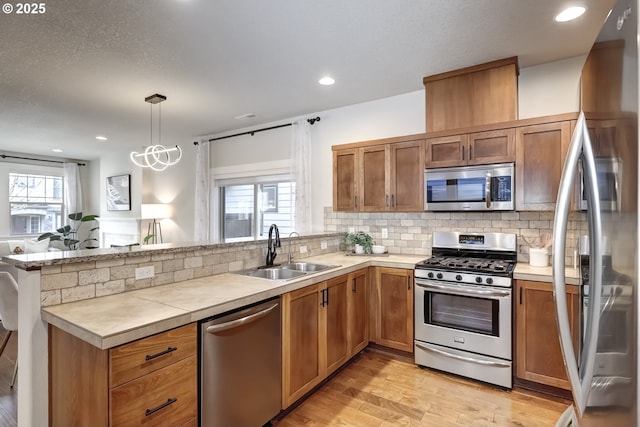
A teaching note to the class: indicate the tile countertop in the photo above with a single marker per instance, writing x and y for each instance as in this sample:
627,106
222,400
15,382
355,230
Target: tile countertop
524,271
112,320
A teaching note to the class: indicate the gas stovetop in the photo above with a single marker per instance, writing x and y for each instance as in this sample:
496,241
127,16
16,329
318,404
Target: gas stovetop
470,258
497,267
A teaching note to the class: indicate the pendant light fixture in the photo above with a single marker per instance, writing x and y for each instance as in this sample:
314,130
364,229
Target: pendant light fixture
156,156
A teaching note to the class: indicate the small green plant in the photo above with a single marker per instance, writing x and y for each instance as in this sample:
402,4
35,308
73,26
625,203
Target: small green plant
68,234
359,238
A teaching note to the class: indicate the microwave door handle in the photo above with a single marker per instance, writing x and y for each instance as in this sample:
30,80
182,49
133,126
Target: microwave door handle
487,190
579,384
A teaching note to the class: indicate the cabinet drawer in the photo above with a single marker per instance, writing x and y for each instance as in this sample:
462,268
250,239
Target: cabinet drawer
135,359
165,397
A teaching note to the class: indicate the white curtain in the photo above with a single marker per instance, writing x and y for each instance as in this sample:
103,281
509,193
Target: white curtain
72,189
202,218
301,174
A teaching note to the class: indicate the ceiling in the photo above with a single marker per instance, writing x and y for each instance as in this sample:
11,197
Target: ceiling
84,67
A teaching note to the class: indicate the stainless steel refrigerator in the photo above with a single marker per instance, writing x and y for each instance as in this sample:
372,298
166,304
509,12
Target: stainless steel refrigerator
600,172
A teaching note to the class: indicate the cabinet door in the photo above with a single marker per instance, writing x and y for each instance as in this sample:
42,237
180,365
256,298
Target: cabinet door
168,396
538,354
540,153
395,298
374,182
496,146
334,318
345,180
446,151
358,311
301,369
407,176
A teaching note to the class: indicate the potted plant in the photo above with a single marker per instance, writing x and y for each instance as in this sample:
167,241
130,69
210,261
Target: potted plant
68,234
360,240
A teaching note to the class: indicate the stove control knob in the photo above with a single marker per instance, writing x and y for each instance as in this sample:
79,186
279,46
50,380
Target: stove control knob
439,275
478,279
489,280
458,277
430,275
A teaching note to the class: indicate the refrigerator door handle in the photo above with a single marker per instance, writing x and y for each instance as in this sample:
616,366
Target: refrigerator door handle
580,380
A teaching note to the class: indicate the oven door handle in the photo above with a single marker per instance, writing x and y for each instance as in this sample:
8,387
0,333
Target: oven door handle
464,358
465,291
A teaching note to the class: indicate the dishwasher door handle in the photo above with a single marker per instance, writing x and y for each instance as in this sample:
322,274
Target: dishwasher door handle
213,329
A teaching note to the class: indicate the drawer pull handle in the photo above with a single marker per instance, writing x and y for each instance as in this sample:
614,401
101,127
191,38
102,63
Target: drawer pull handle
162,353
157,408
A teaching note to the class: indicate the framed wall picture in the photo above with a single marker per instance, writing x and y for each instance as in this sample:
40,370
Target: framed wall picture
119,193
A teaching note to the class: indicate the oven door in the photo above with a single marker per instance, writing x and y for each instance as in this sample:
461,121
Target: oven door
467,317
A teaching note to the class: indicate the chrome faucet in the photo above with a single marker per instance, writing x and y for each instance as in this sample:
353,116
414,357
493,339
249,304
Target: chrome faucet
290,258
272,243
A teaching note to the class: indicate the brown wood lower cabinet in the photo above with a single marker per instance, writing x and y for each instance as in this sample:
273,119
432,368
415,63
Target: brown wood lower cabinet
538,355
323,325
392,306
149,382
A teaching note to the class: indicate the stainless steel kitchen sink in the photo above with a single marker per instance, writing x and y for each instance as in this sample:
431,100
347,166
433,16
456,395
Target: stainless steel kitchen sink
275,273
306,266
286,271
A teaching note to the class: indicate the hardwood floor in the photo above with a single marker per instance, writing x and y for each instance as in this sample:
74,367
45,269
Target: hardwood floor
380,390
8,395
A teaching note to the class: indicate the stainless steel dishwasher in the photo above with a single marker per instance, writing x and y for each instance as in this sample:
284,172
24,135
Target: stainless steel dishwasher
240,366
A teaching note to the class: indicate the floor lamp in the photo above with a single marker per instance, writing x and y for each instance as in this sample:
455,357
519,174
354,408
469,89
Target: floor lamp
155,212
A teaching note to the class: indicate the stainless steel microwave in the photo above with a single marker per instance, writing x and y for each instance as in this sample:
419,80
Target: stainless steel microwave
470,188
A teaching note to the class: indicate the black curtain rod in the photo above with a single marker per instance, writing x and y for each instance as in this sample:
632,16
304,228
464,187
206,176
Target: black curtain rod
252,132
4,156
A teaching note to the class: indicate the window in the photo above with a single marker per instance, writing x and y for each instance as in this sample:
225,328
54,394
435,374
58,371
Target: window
35,203
249,209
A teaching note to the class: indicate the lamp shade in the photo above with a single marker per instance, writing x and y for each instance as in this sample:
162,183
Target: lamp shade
155,211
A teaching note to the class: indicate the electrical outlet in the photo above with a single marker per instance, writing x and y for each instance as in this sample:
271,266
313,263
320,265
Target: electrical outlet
352,229
323,244
145,272
303,249
385,233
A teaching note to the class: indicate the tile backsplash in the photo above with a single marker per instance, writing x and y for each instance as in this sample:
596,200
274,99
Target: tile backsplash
410,233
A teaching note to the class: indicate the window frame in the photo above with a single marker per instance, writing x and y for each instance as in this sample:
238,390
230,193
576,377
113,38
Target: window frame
31,173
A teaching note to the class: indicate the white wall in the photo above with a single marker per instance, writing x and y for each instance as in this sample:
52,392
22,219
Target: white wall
551,88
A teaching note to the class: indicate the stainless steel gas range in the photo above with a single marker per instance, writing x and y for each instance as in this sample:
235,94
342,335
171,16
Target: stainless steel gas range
463,306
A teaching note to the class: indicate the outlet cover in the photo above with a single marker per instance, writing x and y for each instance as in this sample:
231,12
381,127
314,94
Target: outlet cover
385,233
323,244
303,249
144,272
352,229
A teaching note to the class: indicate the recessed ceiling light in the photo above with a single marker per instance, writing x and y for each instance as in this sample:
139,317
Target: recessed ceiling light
570,14
56,150
101,138
326,81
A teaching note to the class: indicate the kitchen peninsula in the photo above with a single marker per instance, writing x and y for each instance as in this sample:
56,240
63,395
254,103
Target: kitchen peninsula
94,296
61,288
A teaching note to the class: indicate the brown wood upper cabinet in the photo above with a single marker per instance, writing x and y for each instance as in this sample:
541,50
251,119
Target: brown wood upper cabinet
492,146
472,96
538,354
540,154
379,177
345,179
